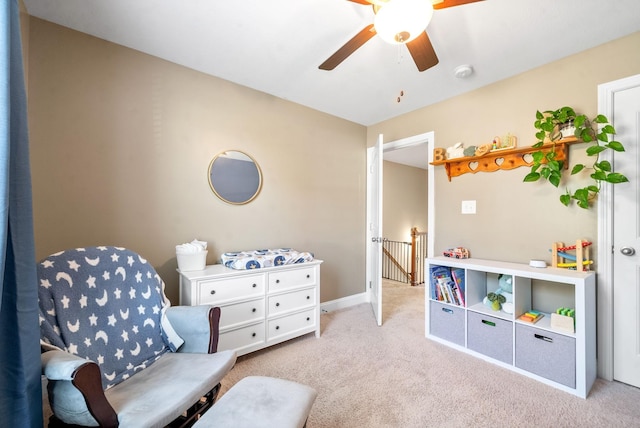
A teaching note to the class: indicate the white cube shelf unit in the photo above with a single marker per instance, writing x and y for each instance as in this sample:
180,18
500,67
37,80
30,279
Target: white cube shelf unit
563,360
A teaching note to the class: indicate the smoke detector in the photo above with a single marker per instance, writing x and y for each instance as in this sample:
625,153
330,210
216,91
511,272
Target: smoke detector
463,71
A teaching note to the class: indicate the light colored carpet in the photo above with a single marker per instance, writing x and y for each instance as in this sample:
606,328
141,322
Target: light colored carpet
392,376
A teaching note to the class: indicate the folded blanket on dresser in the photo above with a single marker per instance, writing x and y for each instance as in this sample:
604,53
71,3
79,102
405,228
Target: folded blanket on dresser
255,259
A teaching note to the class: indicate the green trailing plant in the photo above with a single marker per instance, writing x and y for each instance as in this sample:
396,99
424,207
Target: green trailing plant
598,133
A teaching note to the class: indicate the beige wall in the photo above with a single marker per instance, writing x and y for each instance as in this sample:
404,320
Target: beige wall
516,221
404,204
121,143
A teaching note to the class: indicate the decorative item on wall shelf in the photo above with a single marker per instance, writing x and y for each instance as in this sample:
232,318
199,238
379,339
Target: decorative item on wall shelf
551,126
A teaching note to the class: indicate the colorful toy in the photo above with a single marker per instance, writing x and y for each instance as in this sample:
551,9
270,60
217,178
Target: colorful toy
502,298
458,253
580,261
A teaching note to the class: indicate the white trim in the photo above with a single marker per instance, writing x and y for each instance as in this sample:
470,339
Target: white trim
343,302
606,94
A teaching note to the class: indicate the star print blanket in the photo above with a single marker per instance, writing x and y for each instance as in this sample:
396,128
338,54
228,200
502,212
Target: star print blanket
105,304
264,258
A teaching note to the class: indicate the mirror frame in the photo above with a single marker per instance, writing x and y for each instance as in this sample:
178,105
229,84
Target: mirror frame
216,192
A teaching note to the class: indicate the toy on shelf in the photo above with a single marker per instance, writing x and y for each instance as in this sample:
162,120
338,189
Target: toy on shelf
502,298
531,316
564,319
580,261
458,253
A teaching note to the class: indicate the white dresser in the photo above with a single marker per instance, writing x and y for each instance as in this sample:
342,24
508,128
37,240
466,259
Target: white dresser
260,307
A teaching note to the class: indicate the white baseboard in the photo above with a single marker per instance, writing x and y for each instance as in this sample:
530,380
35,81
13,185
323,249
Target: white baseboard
343,302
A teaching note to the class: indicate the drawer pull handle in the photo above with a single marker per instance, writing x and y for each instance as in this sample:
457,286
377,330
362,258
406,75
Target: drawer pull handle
277,304
213,291
308,297
308,276
253,310
277,327
308,318
492,324
254,285
253,335
277,281
545,338
447,310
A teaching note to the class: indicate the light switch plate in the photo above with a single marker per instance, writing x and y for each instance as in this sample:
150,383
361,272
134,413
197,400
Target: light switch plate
468,207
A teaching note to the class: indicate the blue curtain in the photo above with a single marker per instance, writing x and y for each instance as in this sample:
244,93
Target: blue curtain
20,387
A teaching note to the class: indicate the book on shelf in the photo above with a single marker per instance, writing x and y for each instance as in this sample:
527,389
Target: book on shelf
443,287
531,317
458,277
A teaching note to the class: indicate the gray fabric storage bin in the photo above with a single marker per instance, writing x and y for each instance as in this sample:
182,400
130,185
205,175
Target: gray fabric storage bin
447,322
547,354
490,336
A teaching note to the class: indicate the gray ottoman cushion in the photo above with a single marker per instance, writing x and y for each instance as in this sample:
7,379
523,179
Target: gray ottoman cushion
261,402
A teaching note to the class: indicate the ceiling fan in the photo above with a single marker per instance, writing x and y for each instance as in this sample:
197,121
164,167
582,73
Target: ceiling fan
388,14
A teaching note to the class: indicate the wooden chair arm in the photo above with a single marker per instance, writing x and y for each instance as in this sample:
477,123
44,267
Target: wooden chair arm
86,379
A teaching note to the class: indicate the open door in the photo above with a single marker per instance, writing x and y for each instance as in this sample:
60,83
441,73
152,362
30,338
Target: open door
374,229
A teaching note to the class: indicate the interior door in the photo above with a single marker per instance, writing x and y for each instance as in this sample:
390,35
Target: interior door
626,238
374,228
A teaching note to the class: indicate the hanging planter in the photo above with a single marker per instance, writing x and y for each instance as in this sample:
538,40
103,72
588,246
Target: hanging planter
598,133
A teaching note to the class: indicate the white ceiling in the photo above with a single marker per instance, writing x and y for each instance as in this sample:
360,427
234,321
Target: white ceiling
276,46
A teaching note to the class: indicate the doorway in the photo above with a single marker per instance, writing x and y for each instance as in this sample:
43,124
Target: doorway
393,151
618,209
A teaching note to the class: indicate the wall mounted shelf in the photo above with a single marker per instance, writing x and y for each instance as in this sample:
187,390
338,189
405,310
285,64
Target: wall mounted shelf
504,159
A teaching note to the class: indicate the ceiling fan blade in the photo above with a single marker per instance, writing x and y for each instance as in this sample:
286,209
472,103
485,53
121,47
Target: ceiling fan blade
350,47
422,52
443,4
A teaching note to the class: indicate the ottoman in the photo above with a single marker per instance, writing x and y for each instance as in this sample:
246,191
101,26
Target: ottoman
261,402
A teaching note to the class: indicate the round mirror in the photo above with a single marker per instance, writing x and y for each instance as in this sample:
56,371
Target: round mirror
235,177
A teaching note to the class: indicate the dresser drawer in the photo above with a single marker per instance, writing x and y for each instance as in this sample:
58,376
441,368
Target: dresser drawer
242,312
291,323
216,291
292,278
291,301
242,337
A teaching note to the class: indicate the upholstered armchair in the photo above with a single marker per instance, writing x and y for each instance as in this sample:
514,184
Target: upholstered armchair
115,353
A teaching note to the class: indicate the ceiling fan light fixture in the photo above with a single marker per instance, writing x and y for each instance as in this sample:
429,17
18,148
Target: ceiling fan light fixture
400,21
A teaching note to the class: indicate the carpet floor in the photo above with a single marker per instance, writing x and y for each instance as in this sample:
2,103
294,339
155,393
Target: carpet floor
392,376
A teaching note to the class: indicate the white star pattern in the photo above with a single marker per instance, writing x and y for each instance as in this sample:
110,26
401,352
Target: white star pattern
78,314
73,265
91,282
112,320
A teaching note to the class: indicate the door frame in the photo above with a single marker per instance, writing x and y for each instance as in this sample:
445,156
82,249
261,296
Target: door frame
606,94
